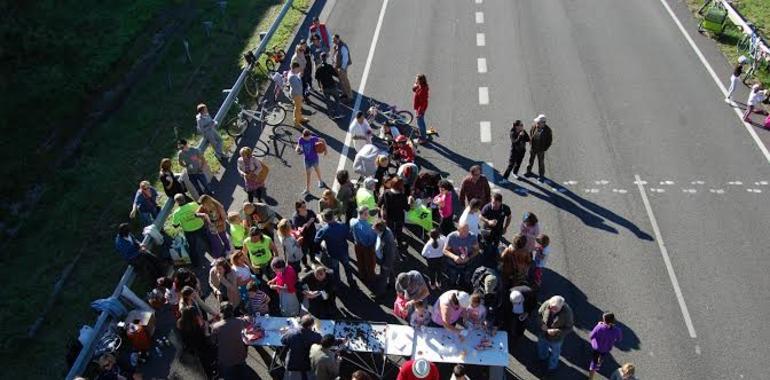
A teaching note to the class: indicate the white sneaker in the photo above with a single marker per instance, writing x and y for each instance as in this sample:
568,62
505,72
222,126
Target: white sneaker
305,193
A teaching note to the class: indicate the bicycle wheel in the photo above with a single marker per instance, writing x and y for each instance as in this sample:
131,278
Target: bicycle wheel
274,115
251,85
743,44
236,126
261,149
404,117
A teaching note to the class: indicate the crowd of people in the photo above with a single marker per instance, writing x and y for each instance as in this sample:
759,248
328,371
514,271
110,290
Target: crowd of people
485,263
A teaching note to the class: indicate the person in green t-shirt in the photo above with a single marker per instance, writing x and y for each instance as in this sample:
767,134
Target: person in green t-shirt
192,225
259,249
237,230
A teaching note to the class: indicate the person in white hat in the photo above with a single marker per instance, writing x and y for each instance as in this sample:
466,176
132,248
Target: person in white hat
523,302
541,138
757,95
734,78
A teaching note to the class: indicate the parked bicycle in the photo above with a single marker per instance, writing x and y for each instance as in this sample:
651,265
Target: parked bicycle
751,46
273,60
268,113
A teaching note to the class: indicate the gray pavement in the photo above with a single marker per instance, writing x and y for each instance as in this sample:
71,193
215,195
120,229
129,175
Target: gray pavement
625,95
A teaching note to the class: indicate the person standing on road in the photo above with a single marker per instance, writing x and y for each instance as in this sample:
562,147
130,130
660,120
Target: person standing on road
304,220
756,96
300,57
297,93
541,139
319,29
213,213
394,203
307,71
420,104
249,167
342,61
186,216
324,75
306,145
498,216
346,195
519,140
444,201
319,292
448,309
360,131
387,255
207,127
625,372
522,302
515,262
324,361
335,236
556,322
226,336
192,159
433,252
603,337
298,344
475,185
734,78
364,239
259,250
461,247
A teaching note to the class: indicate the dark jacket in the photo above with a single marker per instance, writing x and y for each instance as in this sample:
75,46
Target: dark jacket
298,344
325,74
541,137
389,249
493,300
519,141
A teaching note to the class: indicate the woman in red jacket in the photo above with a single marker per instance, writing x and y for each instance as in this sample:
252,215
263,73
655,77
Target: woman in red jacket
420,103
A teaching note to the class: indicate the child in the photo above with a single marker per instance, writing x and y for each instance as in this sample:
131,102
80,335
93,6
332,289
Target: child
476,313
433,252
285,283
420,316
258,301
237,230
603,337
540,256
399,306
164,288
530,228
458,373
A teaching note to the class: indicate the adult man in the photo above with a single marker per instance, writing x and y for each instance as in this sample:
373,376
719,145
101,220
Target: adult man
226,335
461,247
556,321
387,255
365,194
341,62
519,140
324,74
521,303
192,226
136,254
335,236
364,239
298,343
207,127
319,29
360,131
192,159
318,292
541,139
475,185
498,216
296,91
325,362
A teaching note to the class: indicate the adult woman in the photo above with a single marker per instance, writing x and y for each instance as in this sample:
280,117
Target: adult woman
329,200
224,282
292,252
420,103
448,309
249,168
304,221
318,292
472,216
145,204
171,184
285,283
394,203
383,164
214,214
194,334
515,262
240,265
259,250
444,200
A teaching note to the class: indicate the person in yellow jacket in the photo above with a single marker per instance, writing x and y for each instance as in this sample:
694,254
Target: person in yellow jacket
259,250
365,195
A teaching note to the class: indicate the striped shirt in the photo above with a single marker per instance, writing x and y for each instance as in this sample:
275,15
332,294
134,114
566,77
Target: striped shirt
257,303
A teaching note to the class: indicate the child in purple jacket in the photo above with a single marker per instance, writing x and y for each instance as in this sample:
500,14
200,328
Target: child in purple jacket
603,337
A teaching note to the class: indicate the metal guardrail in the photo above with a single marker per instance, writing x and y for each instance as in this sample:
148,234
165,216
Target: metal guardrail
738,20
128,276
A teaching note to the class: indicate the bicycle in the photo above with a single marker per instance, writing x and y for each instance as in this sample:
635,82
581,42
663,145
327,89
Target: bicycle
271,114
750,44
273,60
392,115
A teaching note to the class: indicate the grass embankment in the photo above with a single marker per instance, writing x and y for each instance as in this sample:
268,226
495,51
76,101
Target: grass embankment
756,12
84,203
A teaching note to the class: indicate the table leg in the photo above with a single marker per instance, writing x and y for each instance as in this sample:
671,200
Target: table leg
496,373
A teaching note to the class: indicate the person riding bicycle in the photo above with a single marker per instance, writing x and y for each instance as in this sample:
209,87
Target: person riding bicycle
402,150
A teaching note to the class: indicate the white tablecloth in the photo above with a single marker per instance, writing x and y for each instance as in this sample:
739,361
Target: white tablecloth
399,340
440,345
276,327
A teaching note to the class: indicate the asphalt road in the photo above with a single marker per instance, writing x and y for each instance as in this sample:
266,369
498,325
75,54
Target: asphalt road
626,96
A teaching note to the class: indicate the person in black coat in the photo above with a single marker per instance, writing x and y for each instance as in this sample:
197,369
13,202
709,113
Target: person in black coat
522,303
519,140
319,291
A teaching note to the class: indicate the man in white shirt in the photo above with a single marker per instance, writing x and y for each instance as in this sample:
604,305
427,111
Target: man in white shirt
360,131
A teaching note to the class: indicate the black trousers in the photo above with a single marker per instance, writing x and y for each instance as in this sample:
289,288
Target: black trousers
514,163
540,162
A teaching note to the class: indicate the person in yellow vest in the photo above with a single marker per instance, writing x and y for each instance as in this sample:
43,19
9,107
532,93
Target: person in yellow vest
237,230
192,225
259,250
365,195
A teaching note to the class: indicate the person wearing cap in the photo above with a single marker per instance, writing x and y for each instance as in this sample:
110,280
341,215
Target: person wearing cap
541,138
475,185
207,127
325,362
486,281
756,96
192,159
335,236
298,343
556,322
319,29
734,78
318,292
605,335
421,369
364,240
448,309
403,150
522,302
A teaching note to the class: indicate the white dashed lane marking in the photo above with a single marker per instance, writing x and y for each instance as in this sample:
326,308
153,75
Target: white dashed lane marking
483,95
479,17
481,40
481,64
485,129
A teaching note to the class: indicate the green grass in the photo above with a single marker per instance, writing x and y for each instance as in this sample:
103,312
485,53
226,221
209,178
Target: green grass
758,12
85,202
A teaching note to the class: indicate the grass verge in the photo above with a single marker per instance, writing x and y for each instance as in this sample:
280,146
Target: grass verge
85,202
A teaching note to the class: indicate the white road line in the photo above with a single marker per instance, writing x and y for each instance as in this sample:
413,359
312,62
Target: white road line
479,1
481,40
479,17
485,128
483,96
714,76
481,64
361,88
666,259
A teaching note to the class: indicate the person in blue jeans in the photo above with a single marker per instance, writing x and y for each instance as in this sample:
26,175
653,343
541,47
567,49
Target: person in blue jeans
420,104
556,322
335,235
192,159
